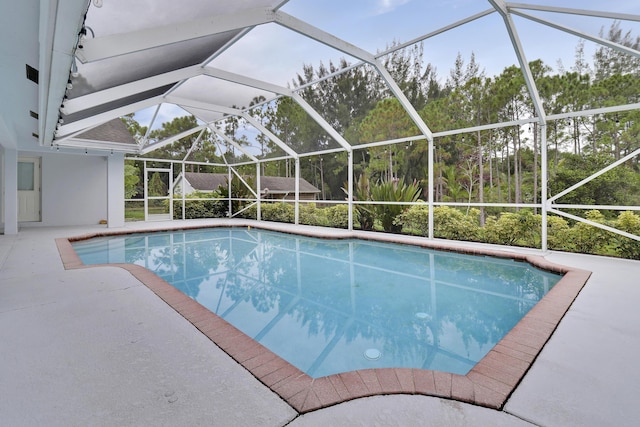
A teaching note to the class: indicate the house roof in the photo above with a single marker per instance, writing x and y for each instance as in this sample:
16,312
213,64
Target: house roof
206,181
274,184
112,131
279,184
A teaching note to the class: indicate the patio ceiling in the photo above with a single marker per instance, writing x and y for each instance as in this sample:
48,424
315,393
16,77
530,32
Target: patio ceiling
100,60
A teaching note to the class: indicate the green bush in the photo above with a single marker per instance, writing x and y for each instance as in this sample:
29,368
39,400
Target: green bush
278,212
195,208
451,223
558,232
415,220
335,216
514,229
626,247
238,191
448,223
310,215
587,239
338,216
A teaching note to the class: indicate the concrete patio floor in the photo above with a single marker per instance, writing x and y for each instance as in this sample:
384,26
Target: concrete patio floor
97,347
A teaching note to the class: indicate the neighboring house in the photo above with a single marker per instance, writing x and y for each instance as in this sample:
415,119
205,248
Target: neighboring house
198,181
271,187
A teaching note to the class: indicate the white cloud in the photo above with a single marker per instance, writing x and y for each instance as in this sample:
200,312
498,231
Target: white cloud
386,6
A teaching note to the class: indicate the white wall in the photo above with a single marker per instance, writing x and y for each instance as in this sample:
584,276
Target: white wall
115,190
9,190
75,189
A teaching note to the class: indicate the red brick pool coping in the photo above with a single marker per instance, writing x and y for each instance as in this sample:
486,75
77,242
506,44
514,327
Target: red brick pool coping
489,383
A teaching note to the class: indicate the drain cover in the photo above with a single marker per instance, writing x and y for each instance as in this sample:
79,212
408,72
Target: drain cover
372,354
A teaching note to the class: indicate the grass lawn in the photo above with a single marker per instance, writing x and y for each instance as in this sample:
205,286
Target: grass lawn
134,211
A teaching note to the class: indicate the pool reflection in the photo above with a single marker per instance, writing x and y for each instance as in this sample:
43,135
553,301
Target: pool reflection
326,306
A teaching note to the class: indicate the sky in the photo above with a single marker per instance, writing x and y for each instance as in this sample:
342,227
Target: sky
373,25
272,53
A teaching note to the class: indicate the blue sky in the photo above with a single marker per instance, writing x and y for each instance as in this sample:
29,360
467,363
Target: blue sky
373,25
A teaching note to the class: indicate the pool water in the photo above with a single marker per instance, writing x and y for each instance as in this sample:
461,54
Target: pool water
331,306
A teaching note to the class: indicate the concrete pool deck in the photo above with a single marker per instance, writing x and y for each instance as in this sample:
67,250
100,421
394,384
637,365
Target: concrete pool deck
96,347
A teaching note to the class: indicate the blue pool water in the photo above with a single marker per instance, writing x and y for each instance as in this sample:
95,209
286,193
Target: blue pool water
330,306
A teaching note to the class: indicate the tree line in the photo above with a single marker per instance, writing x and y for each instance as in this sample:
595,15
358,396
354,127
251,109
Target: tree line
500,165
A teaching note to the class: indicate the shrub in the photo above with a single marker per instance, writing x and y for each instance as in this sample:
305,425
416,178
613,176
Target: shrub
415,220
448,223
558,232
195,208
514,229
238,191
310,215
451,223
587,239
338,216
626,247
278,212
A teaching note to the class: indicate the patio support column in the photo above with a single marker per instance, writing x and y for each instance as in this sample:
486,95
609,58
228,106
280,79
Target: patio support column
544,184
350,185
10,202
182,192
297,192
230,205
115,190
258,191
146,191
430,183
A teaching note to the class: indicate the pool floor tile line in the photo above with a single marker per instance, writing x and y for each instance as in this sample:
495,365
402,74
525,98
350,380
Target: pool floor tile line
489,383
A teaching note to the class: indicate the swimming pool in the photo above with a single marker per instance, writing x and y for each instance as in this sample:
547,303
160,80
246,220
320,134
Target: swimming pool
333,306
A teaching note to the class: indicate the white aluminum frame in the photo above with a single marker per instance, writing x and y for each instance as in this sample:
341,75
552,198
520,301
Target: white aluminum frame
121,44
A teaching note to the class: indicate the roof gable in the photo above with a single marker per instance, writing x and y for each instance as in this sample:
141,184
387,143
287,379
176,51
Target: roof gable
279,184
206,181
112,131
273,184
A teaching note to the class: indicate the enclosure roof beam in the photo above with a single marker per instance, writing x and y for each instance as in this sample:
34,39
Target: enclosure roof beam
321,121
270,135
481,128
608,43
601,110
502,9
98,119
436,32
232,142
171,139
321,36
330,40
94,99
404,101
186,102
233,112
246,81
195,143
103,145
95,49
571,11
398,47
